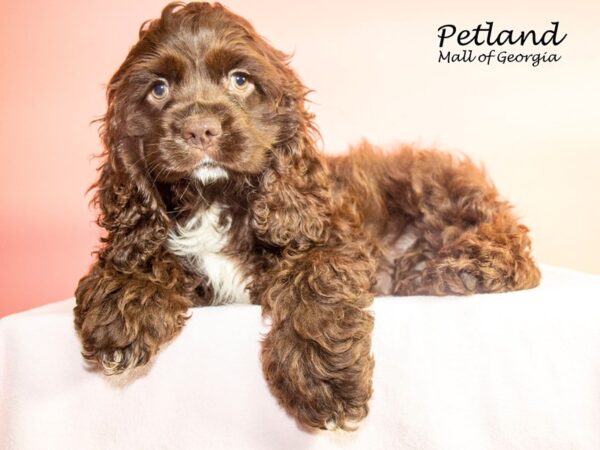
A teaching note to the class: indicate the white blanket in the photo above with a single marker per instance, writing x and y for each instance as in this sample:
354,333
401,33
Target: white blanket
504,371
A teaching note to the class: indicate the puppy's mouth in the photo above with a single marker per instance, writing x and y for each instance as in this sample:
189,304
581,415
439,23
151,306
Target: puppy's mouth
209,171
209,163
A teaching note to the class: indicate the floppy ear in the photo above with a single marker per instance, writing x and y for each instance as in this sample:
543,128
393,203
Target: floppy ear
131,210
293,204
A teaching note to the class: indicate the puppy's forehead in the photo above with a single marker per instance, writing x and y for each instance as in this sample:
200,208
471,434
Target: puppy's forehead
194,43
203,50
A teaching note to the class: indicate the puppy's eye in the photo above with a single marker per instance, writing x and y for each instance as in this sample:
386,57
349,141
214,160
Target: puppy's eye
160,90
239,81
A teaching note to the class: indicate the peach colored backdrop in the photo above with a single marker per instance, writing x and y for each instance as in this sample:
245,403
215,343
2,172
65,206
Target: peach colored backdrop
375,71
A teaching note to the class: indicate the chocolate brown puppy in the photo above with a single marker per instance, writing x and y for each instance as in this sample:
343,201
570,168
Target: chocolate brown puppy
213,191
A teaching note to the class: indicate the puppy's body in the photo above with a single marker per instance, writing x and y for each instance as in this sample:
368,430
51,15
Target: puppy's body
213,191
414,205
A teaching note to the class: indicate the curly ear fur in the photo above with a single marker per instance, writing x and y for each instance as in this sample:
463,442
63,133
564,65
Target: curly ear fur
294,201
136,295
131,211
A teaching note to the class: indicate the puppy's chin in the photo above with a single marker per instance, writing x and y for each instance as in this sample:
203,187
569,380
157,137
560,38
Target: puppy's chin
208,172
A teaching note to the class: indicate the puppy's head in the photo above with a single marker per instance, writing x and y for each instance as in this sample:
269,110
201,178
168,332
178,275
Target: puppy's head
202,96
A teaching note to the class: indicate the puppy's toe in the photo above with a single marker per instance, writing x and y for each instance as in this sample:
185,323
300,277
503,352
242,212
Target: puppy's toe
469,280
119,360
112,362
331,425
334,424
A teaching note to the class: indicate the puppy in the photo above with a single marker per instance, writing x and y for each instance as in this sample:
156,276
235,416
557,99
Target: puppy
212,191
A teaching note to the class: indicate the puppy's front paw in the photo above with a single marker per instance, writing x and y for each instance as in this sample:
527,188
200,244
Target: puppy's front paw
116,346
336,412
123,320
322,390
327,404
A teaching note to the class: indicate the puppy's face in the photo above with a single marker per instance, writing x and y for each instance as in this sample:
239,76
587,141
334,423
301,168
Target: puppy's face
204,96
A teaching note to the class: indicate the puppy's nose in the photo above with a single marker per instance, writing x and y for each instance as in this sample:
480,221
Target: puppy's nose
201,131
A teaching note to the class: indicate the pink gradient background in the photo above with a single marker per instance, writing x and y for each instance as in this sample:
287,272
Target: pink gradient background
374,68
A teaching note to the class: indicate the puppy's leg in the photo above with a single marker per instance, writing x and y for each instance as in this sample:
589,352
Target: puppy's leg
467,239
316,357
123,319
489,258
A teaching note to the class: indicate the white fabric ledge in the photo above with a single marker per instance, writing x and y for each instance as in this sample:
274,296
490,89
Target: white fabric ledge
503,371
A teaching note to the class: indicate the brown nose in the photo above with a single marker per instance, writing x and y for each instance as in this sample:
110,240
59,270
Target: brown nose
201,131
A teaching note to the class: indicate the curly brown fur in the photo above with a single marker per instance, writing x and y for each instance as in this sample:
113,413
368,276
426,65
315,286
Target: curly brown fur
268,219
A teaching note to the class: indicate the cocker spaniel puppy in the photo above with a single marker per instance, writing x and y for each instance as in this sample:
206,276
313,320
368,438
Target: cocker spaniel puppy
212,191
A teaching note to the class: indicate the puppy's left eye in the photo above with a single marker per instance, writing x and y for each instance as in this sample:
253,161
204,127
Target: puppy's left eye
240,81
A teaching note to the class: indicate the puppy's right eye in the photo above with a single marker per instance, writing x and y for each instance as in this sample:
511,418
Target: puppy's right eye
160,90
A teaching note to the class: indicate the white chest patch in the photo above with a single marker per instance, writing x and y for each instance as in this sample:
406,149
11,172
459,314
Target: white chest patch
202,240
